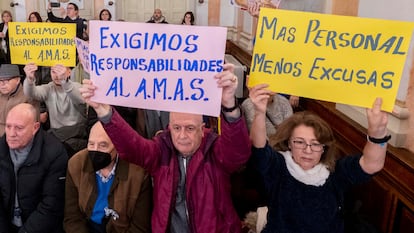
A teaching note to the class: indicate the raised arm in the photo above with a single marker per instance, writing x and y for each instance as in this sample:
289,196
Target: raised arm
87,91
71,88
259,96
254,9
373,157
51,16
232,148
39,93
228,82
131,146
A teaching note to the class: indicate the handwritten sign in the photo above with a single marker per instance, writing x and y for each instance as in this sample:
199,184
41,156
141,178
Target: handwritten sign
340,59
45,44
160,67
83,53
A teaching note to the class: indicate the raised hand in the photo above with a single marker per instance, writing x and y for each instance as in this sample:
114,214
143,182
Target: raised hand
30,70
259,96
88,91
377,120
228,81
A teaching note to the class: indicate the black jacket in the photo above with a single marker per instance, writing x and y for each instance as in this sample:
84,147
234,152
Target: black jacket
41,186
81,23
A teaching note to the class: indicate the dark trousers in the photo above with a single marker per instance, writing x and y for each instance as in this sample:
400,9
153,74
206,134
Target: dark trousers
97,228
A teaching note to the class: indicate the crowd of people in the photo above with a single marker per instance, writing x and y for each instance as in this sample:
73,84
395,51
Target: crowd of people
70,164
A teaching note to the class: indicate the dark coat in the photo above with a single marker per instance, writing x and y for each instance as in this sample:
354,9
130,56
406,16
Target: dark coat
80,24
130,196
41,186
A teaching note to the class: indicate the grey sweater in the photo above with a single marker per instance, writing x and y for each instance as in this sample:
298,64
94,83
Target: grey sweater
65,104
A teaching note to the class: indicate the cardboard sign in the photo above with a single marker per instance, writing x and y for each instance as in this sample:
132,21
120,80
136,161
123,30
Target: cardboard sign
45,44
157,66
340,59
83,53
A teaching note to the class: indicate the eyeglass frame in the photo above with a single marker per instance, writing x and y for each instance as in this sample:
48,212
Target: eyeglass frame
303,142
6,81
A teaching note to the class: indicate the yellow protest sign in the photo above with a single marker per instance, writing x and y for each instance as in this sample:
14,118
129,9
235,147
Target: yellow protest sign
45,44
340,59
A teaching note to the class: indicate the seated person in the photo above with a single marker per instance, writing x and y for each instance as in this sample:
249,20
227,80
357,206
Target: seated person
11,92
104,193
33,168
190,165
151,122
278,109
67,110
157,17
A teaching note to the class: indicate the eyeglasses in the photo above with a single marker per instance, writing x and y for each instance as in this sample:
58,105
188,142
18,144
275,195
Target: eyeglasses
5,81
302,145
70,8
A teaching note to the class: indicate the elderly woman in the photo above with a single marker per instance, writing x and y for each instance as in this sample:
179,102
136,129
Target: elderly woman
305,184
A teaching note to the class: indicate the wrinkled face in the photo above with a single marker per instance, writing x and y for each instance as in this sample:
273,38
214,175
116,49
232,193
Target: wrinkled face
21,127
187,19
6,17
186,132
157,14
100,141
306,149
7,86
105,15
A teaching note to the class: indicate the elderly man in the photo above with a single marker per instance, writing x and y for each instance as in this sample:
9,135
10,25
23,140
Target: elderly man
157,17
190,165
104,193
33,167
67,110
11,92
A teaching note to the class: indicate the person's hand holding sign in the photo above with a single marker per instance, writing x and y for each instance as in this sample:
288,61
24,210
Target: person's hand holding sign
260,96
88,91
30,70
228,81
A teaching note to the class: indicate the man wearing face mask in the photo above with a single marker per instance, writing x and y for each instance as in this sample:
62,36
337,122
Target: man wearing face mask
105,194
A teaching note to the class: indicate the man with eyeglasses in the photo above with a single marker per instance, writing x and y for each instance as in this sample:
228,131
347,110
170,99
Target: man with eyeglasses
11,92
190,165
72,16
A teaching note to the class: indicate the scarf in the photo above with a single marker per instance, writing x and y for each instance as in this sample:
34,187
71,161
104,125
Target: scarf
315,176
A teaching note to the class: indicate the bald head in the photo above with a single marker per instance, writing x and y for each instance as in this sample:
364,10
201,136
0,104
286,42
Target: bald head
23,110
157,14
21,125
100,141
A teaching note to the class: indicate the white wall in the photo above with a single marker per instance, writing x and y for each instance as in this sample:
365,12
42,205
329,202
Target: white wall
402,10
386,9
